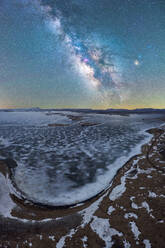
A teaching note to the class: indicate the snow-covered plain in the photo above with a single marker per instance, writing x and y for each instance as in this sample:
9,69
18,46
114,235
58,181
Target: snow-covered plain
65,165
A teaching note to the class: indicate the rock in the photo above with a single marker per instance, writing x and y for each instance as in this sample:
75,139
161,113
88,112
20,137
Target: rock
10,163
58,125
162,152
88,124
75,117
157,131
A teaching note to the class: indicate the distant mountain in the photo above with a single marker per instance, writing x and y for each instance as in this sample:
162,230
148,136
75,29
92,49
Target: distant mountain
134,111
21,110
146,109
97,111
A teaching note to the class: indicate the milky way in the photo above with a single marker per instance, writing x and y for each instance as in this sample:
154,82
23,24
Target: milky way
99,54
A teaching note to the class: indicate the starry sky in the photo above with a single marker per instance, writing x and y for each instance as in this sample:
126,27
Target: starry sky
82,53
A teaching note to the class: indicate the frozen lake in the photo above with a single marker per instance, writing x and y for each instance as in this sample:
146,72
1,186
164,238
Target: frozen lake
64,165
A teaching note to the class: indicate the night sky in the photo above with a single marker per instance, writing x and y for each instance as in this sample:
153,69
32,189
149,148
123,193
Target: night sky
82,53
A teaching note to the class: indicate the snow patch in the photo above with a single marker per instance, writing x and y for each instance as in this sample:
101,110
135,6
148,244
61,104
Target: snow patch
146,206
134,205
118,190
52,238
110,210
135,230
126,244
61,242
104,231
88,213
84,240
130,215
160,221
152,194
147,243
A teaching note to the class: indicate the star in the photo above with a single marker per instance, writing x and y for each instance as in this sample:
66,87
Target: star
136,62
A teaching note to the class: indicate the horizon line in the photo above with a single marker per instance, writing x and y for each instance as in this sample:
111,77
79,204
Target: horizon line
49,108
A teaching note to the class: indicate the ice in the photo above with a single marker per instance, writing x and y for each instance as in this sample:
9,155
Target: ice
66,165
32,118
6,204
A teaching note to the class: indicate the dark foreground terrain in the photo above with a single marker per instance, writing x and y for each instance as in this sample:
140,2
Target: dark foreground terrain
130,213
